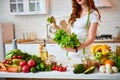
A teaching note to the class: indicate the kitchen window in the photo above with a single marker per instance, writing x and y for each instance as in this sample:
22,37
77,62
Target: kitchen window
28,7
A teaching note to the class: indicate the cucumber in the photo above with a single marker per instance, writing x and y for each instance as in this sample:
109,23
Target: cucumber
89,70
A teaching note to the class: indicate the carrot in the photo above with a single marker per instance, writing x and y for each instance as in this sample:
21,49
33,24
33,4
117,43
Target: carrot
13,68
2,67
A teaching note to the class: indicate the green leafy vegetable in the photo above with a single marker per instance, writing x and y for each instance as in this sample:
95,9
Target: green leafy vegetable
50,20
66,40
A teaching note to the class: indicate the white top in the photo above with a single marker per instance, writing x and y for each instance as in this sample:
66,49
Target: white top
79,28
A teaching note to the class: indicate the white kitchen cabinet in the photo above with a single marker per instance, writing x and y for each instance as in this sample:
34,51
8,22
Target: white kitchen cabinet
29,48
28,7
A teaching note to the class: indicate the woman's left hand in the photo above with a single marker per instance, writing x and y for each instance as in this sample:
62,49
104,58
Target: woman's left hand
70,49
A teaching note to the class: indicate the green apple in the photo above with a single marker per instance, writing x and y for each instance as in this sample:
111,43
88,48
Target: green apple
98,55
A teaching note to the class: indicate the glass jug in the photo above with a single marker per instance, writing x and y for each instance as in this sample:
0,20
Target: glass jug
117,29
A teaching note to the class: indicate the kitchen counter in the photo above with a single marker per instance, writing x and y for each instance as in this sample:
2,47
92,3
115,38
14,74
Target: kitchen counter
61,75
53,42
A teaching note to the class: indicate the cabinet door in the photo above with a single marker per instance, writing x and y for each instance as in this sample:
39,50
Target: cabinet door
27,7
38,6
17,6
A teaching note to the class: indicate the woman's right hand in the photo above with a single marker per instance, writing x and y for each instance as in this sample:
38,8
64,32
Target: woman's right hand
53,21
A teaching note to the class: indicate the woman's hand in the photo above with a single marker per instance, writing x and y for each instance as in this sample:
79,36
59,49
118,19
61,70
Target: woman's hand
70,49
54,21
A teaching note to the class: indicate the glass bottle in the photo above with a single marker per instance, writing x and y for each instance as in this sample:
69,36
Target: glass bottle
45,51
41,51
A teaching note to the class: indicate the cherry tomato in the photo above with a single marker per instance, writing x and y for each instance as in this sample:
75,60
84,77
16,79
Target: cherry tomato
19,57
64,68
6,61
9,62
54,67
60,69
15,57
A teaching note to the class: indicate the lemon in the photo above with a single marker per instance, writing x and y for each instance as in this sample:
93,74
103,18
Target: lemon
105,51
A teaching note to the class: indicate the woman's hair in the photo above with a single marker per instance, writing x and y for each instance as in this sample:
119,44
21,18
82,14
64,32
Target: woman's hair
77,10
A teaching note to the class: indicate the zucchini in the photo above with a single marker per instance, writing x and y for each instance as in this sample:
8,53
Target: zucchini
89,70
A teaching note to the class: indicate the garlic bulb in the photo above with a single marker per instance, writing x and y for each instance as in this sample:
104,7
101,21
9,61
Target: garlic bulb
114,69
102,69
109,71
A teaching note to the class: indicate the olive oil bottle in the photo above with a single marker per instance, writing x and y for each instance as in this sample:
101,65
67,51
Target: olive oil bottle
43,51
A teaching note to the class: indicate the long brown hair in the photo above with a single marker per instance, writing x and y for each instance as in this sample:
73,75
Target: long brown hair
77,10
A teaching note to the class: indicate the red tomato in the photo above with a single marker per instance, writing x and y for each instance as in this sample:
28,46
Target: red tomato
23,63
19,57
25,69
7,62
60,69
64,68
54,67
15,57
31,63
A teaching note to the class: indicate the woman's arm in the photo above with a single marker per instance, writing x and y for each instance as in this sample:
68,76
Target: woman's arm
64,25
91,35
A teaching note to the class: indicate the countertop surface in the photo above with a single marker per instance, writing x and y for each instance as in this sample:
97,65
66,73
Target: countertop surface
53,42
61,75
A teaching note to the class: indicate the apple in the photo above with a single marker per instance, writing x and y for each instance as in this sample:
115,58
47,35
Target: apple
98,55
22,63
25,69
31,63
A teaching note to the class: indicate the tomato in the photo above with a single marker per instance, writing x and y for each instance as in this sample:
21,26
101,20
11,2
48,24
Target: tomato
60,69
23,63
31,63
19,57
25,69
54,67
15,57
7,62
64,68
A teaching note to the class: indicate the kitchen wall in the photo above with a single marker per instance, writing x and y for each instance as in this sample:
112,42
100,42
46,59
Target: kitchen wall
61,10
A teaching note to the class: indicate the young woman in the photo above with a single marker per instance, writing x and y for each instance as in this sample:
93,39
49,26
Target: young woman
83,21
